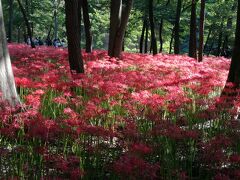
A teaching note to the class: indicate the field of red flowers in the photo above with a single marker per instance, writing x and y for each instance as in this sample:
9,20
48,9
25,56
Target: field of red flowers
142,117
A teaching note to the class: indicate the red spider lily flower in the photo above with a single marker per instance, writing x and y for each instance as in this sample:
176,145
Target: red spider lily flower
131,166
60,100
76,174
140,148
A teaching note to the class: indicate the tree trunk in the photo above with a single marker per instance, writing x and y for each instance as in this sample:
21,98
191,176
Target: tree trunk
72,9
225,48
234,72
193,32
115,21
231,89
219,41
142,35
118,22
146,38
55,18
27,7
10,21
177,28
160,35
18,34
49,31
152,26
211,47
207,40
29,31
7,84
201,31
87,26
55,25
171,41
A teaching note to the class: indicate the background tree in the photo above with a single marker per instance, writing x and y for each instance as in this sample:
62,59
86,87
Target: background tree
41,18
10,20
142,35
119,16
234,72
152,26
201,31
27,23
7,84
87,26
193,31
73,21
177,28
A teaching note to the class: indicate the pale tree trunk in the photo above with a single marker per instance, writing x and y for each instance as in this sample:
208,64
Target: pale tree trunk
7,84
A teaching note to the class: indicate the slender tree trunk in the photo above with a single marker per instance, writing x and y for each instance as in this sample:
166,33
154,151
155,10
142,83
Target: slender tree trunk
152,26
7,84
207,40
151,47
193,32
171,41
146,38
177,28
25,35
29,31
49,31
27,7
225,48
10,21
72,9
18,34
219,41
201,31
210,48
32,28
55,18
55,25
142,35
87,26
160,35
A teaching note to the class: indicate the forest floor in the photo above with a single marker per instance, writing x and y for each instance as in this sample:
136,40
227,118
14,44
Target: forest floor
141,117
